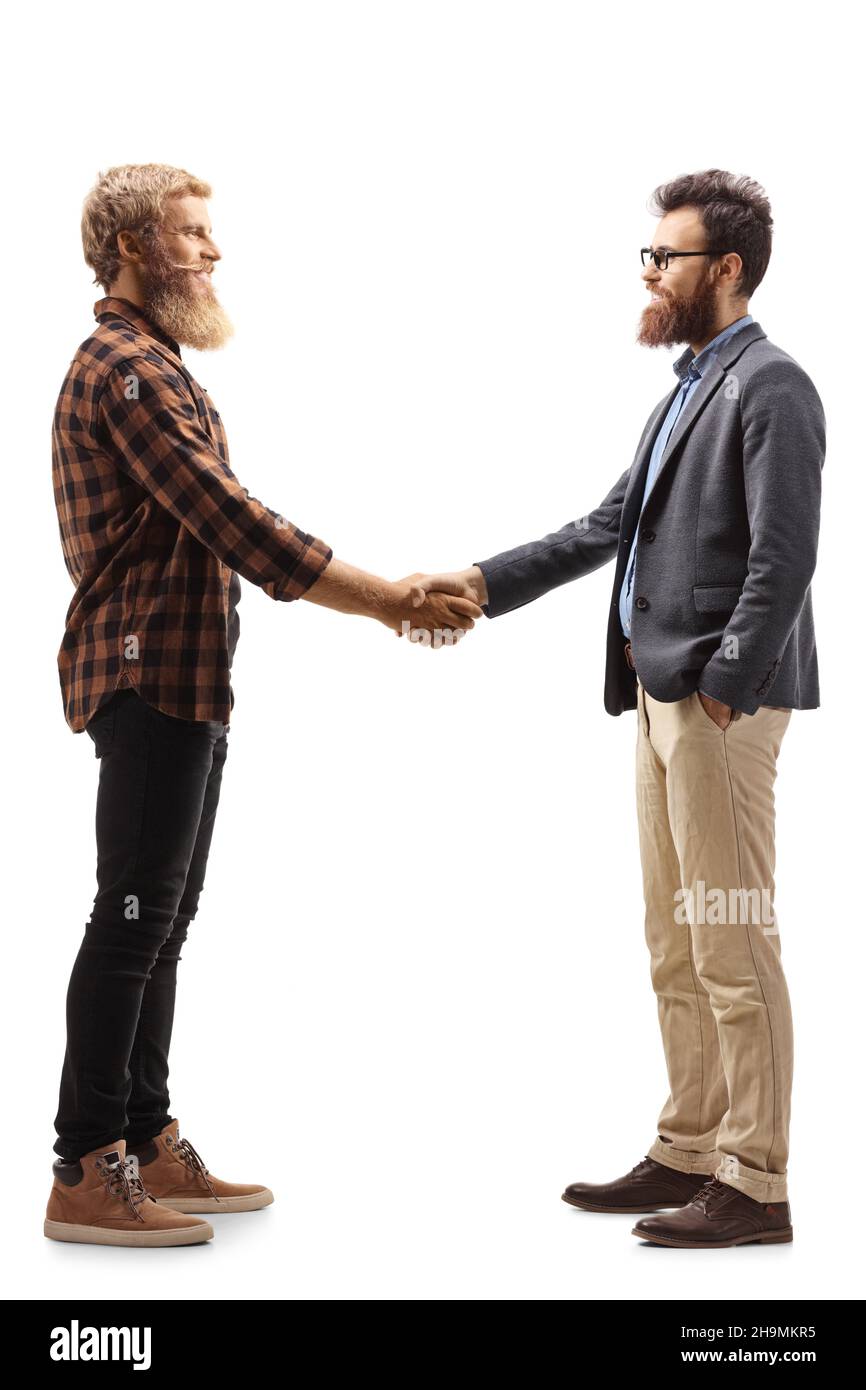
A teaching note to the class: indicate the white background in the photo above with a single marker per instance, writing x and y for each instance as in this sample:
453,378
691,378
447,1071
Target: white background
416,1001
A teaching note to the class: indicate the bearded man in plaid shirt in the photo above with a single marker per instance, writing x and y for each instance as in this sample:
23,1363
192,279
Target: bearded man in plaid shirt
155,529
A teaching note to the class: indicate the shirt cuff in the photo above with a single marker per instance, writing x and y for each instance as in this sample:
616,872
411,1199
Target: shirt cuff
315,557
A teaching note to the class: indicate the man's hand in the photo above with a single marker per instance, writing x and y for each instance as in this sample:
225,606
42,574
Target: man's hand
469,584
721,714
408,608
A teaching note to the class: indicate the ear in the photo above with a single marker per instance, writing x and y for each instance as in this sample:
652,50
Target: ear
129,247
731,267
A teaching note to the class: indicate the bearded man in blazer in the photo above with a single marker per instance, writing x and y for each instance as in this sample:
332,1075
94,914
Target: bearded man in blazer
714,533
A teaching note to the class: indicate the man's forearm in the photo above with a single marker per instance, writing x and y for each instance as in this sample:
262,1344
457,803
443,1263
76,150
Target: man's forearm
351,590
521,575
348,589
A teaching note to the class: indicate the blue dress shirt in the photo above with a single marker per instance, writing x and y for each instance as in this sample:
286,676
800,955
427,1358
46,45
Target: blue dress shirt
689,368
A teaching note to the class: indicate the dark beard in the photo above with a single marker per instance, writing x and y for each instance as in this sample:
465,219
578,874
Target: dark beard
172,301
676,319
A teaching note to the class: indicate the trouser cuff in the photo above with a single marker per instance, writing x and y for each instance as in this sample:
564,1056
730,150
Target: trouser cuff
684,1160
762,1186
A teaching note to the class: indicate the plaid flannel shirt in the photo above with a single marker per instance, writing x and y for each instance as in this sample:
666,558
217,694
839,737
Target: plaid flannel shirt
155,528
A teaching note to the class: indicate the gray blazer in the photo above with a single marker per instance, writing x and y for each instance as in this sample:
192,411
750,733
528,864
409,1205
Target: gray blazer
726,548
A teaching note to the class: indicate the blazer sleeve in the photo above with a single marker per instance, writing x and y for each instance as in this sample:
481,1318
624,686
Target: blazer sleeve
516,577
783,456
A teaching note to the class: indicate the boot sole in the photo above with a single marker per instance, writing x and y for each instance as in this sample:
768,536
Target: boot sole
252,1201
100,1235
780,1237
629,1211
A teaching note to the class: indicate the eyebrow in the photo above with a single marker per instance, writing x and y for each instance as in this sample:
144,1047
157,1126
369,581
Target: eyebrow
194,227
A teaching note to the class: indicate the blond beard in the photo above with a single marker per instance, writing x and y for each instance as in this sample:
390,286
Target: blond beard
172,301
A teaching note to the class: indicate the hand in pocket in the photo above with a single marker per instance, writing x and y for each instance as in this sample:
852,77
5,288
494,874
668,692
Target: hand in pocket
721,714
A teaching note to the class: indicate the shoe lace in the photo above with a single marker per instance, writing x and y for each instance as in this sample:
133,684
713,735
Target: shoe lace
193,1160
638,1166
711,1189
122,1180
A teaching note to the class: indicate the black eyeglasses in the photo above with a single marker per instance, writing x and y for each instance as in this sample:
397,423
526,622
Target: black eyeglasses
662,256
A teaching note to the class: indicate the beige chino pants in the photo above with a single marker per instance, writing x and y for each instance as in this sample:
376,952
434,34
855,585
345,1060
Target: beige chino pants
706,817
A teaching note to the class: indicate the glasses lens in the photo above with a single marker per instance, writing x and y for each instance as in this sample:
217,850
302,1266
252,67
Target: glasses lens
658,257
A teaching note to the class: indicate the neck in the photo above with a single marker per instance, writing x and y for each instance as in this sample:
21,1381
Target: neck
726,319
127,287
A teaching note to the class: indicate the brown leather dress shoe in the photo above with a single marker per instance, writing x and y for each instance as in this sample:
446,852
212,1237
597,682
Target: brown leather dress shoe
650,1186
718,1216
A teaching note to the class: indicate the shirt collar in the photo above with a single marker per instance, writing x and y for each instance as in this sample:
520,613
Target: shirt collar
113,307
690,366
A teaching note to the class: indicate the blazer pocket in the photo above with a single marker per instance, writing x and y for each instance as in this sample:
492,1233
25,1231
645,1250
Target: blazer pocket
716,598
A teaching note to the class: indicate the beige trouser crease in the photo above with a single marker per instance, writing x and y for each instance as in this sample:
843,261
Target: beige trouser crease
706,819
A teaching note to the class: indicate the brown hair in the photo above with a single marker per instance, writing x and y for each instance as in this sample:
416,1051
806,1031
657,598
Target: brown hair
129,197
735,213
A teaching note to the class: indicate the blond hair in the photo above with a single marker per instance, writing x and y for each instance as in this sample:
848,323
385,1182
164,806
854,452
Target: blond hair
129,197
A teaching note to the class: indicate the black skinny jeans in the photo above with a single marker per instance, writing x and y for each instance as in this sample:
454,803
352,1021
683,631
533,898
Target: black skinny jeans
159,786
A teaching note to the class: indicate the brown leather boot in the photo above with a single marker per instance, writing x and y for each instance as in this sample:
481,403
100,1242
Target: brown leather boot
650,1186
718,1216
178,1178
101,1200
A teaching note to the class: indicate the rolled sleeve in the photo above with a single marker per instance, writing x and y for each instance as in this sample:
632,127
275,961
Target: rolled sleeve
149,423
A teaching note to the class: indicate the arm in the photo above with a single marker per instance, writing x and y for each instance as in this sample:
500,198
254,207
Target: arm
350,590
158,440
519,576
783,455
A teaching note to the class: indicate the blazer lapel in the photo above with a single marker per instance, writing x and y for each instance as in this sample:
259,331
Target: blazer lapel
714,374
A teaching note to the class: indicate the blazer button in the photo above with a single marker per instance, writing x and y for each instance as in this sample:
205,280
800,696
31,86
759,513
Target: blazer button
648,535
641,602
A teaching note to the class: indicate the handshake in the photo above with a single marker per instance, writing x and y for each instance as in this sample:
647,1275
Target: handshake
442,606
430,609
